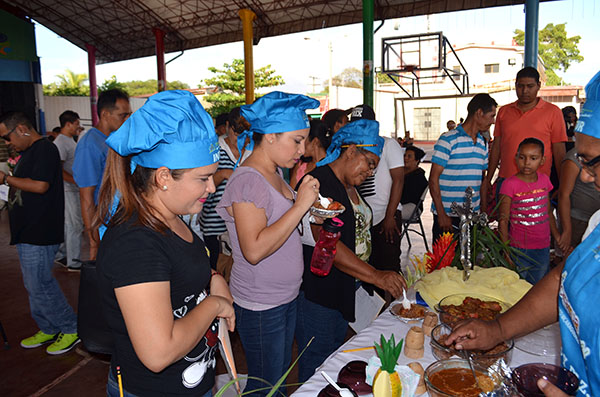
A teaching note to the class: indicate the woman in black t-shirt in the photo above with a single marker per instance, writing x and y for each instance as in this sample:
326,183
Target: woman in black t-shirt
326,304
159,297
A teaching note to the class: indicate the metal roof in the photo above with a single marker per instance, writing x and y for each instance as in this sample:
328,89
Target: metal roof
122,29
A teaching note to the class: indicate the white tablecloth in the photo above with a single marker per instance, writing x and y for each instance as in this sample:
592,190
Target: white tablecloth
387,324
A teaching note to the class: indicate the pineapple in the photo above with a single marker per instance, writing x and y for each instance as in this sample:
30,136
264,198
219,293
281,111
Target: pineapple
387,382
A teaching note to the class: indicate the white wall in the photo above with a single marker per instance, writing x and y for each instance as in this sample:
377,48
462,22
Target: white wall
475,60
53,106
383,104
451,109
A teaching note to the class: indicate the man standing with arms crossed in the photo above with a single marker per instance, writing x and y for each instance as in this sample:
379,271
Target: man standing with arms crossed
90,157
527,117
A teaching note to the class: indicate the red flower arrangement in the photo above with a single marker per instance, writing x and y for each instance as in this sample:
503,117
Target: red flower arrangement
443,252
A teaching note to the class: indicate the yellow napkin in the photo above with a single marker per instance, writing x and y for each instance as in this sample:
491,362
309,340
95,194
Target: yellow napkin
496,282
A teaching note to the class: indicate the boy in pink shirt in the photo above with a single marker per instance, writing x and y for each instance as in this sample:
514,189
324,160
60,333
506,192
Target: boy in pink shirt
526,219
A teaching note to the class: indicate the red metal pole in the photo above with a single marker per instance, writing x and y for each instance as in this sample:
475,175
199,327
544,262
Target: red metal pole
159,36
91,50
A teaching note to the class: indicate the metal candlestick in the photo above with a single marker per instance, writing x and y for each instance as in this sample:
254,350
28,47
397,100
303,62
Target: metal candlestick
467,219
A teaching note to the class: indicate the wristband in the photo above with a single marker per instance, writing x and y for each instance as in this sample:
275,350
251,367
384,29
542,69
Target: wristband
5,180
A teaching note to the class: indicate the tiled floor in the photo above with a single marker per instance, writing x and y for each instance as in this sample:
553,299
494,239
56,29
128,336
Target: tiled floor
31,372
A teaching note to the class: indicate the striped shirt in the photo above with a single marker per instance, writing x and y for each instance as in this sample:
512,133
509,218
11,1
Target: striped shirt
529,226
463,162
211,223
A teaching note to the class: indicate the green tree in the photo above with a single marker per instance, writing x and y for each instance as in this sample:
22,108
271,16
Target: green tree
69,84
557,50
145,87
231,85
383,78
350,77
112,84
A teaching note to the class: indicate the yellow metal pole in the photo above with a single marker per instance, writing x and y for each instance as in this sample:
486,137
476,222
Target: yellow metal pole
247,16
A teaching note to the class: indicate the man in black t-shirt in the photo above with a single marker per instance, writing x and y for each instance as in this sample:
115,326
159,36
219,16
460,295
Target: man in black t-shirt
36,217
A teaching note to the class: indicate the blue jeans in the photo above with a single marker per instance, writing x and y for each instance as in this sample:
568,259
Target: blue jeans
112,387
267,338
328,328
535,266
49,307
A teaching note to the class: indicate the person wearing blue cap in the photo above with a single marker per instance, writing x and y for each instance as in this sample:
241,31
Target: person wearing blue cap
568,294
159,297
326,304
263,214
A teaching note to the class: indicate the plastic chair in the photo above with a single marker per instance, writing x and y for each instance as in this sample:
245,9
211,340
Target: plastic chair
415,219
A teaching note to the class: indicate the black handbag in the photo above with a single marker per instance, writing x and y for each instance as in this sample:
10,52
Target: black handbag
92,327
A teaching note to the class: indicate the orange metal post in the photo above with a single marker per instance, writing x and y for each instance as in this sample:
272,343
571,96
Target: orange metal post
247,16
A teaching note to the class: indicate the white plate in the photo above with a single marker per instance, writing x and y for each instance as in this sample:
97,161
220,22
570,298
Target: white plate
326,213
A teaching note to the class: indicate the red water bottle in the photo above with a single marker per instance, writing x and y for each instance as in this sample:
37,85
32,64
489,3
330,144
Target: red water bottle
325,249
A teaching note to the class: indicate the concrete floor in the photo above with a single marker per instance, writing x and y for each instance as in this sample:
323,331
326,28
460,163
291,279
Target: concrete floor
31,372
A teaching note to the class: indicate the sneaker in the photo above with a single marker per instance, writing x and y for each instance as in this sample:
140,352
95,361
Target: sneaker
62,261
75,267
37,340
63,344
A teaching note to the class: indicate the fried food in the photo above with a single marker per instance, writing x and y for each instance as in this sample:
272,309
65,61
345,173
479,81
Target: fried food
415,311
473,308
333,206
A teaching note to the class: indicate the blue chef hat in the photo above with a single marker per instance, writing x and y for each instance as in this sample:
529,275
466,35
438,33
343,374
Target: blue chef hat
589,119
360,132
172,129
274,113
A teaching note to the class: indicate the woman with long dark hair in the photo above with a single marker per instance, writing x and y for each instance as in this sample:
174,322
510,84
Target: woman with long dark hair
159,297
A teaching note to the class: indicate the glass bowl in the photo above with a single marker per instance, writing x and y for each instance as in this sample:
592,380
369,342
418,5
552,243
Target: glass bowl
451,318
483,358
526,376
417,312
462,375
320,212
354,375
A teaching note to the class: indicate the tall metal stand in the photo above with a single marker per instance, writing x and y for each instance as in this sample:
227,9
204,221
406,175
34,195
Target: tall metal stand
467,219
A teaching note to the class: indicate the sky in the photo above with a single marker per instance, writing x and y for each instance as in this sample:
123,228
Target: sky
300,56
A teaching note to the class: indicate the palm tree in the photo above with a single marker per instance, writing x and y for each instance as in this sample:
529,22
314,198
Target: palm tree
72,80
70,84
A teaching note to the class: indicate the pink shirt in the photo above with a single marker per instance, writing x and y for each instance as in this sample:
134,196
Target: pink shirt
276,279
529,221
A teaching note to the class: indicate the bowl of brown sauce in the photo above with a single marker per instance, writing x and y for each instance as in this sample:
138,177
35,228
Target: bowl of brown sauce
453,378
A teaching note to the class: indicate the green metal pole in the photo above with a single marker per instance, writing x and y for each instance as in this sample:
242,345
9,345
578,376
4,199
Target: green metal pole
368,11
532,10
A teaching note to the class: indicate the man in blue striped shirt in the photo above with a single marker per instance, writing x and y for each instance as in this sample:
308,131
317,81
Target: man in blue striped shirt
459,161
